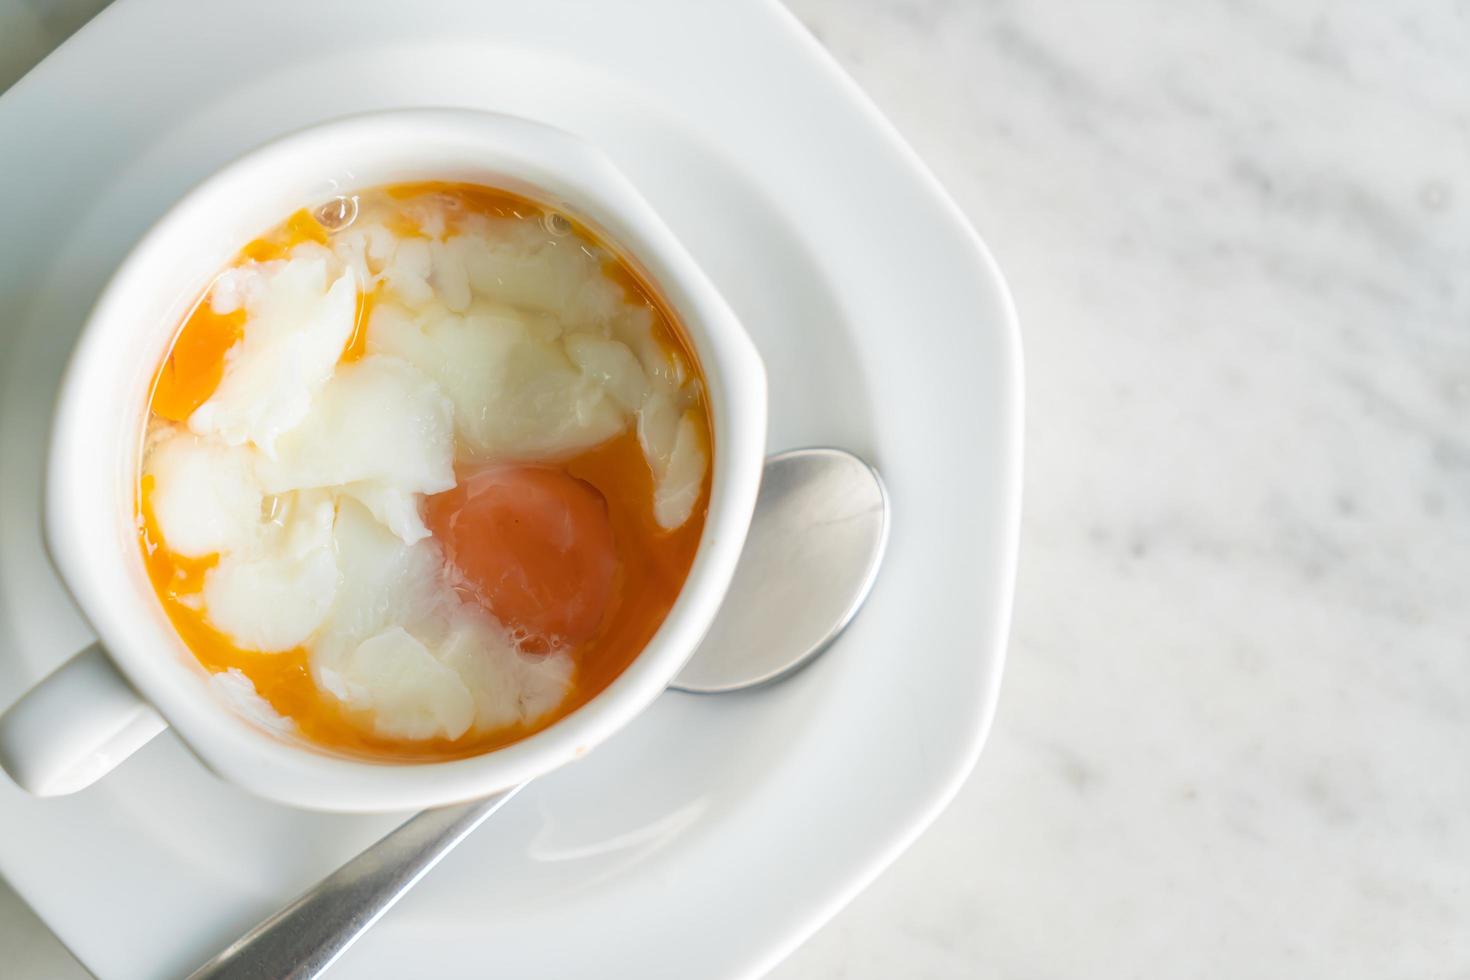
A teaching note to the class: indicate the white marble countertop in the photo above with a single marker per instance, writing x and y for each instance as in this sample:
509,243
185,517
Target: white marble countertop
1233,732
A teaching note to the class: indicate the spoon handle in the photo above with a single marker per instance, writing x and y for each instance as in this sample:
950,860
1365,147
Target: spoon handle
306,937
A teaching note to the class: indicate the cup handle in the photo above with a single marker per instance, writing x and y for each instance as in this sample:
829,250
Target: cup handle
75,726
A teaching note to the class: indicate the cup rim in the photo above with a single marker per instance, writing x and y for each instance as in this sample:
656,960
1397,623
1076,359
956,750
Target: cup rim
79,508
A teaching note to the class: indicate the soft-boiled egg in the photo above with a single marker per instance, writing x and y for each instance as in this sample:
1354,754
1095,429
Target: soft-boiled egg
420,485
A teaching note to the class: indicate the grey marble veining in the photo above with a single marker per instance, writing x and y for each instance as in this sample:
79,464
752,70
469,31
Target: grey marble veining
1233,735
1232,739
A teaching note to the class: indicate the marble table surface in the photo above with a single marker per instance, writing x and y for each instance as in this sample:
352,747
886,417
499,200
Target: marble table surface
1233,734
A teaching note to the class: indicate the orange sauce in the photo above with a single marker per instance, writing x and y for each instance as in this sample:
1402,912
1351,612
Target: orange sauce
652,562
196,362
357,343
462,199
276,243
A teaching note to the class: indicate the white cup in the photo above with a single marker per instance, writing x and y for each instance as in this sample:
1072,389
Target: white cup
106,702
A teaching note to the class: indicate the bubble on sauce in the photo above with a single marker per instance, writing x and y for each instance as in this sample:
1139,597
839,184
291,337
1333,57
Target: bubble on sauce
338,213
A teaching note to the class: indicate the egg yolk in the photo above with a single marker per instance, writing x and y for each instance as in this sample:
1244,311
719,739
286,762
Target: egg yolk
535,543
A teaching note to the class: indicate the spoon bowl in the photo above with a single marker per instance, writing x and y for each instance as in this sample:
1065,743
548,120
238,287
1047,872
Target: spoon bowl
818,509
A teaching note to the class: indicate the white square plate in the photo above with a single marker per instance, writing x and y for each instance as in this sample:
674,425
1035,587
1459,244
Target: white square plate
715,833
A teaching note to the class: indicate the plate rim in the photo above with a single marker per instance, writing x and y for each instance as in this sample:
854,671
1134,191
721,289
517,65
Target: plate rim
1009,330
1003,563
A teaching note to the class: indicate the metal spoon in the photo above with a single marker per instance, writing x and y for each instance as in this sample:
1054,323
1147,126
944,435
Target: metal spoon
815,543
